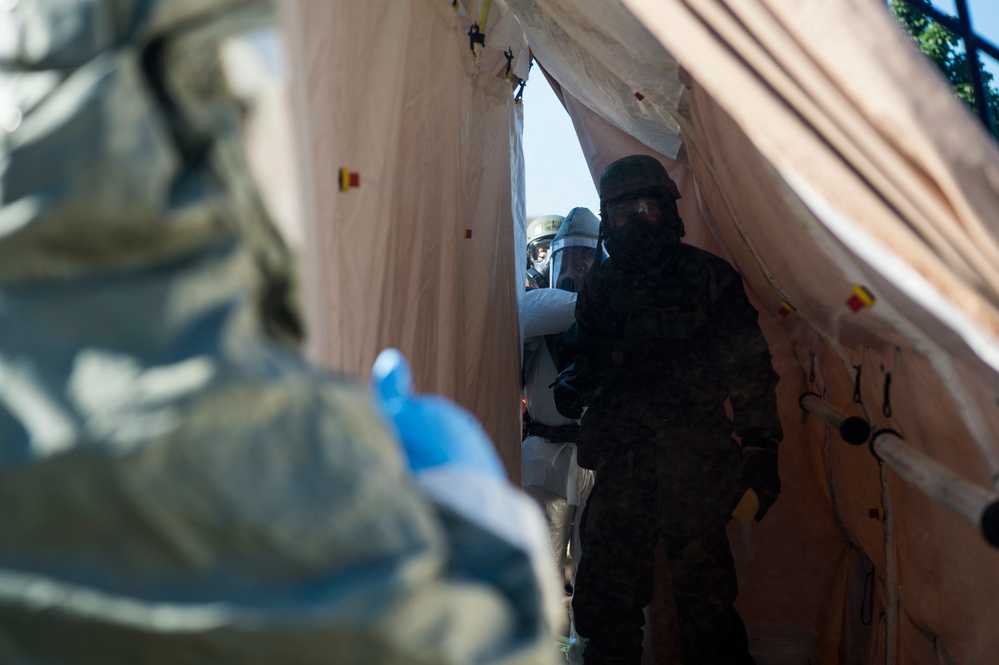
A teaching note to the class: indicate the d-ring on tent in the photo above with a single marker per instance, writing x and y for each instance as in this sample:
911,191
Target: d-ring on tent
816,150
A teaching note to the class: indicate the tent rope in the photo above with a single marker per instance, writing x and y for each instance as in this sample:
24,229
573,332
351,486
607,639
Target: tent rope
856,385
886,402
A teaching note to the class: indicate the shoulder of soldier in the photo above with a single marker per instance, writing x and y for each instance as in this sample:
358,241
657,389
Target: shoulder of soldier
702,260
692,254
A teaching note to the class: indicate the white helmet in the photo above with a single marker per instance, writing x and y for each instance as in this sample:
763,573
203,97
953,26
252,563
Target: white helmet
574,249
540,232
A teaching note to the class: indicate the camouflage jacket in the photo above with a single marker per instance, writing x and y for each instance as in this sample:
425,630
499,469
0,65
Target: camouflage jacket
668,346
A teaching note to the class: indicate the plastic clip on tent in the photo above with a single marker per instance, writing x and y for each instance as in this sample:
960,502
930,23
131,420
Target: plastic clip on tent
475,36
477,33
349,179
433,431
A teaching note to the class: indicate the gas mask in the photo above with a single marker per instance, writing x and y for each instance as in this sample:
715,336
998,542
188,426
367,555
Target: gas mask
641,230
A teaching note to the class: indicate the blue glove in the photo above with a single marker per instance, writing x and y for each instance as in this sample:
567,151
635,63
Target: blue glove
433,430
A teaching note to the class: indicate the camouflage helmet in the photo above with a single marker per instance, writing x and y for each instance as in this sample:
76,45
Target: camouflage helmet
539,237
632,174
545,226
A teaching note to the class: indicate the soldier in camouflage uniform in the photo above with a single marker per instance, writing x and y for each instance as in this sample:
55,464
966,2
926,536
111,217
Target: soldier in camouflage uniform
664,334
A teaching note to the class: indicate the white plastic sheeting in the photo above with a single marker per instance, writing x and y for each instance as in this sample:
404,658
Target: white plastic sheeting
816,150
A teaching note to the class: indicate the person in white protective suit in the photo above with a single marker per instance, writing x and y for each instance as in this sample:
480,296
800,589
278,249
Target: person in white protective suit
179,486
549,472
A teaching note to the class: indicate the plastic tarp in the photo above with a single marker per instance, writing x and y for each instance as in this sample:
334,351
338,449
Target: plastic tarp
816,150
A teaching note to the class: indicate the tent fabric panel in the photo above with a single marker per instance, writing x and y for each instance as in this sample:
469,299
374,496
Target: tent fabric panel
825,144
492,268
608,61
421,255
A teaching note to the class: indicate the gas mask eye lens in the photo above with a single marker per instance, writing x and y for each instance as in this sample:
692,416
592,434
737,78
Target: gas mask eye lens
539,250
645,208
620,214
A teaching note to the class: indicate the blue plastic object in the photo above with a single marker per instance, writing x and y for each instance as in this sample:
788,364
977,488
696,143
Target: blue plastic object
433,430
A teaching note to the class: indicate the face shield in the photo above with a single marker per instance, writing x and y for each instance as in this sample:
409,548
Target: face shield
571,258
538,253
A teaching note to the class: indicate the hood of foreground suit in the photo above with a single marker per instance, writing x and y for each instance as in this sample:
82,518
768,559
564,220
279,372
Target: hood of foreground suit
124,151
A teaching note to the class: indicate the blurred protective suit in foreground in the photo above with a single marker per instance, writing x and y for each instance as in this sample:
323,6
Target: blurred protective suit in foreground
178,485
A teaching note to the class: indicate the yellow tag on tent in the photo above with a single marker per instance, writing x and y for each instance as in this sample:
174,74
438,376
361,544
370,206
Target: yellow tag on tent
748,505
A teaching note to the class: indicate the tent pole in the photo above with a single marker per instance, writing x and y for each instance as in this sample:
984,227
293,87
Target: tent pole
976,504
891,570
853,429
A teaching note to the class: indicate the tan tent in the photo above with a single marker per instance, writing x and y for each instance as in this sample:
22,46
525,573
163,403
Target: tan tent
816,150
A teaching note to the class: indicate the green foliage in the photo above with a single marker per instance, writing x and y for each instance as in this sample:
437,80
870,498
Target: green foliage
944,48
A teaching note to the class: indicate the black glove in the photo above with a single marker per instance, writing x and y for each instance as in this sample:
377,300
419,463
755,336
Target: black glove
568,398
759,470
570,392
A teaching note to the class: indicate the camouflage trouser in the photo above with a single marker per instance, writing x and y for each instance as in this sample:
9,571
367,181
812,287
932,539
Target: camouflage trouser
634,502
